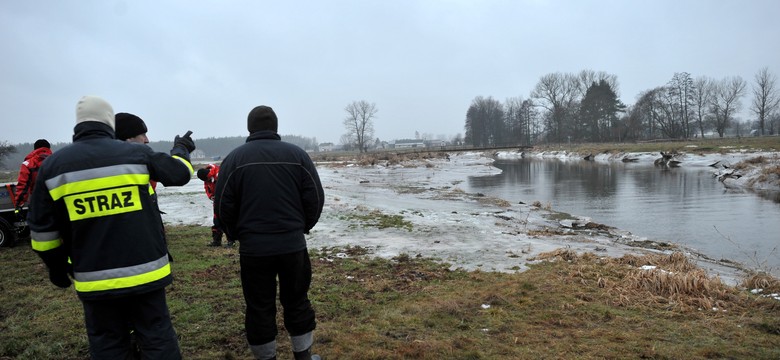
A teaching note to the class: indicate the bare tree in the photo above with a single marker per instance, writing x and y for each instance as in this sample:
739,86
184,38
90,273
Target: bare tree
773,123
702,97
586,78
650,114
359,123
765,97
558,95
485,122
457,140
726,102
347,142
681,95
5,150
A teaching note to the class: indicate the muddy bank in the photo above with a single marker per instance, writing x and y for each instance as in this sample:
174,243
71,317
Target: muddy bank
416,207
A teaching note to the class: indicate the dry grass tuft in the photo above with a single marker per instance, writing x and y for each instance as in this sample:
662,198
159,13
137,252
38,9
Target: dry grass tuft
546,232
772,170
692,288
674,262
756,160
763,281
559,254
669,280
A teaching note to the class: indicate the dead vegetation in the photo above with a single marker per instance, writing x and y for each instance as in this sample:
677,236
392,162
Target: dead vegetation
668,280
385,158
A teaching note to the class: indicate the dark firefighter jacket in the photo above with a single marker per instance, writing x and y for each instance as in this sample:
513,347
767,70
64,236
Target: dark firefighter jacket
92,205
268,195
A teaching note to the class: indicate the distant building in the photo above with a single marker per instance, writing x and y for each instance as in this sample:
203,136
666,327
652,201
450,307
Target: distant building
435,143
198,154
408,143
330,147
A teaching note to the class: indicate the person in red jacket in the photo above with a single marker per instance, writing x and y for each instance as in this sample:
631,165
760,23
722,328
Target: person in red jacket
29,171
209,175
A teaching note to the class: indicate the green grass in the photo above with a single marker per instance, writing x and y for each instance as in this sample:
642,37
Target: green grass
411,308
414,308
376,219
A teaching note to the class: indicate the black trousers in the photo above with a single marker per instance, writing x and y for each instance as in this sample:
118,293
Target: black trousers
109,323
258,279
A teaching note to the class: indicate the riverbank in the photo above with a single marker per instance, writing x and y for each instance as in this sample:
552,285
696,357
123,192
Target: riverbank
745,169
415,207
568,306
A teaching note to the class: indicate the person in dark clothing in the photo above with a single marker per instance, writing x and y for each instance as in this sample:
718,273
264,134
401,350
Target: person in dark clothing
209,174
93,223
132,129
268,197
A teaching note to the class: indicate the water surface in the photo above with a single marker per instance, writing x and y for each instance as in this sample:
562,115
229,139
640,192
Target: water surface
684,205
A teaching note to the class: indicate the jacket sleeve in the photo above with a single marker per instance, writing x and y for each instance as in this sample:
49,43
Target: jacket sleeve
45,233
170,170
226,202
22,185
312,194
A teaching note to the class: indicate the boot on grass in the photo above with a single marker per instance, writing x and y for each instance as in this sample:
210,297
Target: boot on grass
216,237
306,355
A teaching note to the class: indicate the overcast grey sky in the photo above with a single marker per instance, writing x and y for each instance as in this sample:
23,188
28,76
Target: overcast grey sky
203,65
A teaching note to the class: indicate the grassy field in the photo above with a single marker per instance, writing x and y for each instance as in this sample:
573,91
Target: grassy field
572,306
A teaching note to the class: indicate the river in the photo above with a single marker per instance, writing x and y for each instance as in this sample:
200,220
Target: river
684,205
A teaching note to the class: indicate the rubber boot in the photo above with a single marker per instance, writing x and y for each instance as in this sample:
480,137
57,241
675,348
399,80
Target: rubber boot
216,237
265,351
305,355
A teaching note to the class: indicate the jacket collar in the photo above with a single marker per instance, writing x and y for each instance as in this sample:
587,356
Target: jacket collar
43,151
263,135
92,130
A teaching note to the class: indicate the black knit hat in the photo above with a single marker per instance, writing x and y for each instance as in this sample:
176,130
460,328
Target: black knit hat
41,143
128,126
262,118
203,174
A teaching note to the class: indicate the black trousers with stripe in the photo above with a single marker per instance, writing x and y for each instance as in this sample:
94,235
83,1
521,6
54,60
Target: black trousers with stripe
109,323
258,280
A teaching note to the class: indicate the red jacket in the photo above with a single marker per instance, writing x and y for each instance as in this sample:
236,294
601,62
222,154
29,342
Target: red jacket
27,174
211,182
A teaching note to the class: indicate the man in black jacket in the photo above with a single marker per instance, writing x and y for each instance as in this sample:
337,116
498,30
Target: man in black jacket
92,219
268,196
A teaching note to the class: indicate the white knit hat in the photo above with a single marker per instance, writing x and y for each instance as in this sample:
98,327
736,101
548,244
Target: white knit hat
93,108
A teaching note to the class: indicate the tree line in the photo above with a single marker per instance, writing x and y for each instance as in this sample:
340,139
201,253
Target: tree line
585,107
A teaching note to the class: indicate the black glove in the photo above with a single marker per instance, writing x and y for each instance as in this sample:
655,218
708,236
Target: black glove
59,278
184,142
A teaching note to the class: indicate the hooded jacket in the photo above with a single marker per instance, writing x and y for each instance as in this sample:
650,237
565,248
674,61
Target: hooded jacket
27,174
210,184
268,195
91,204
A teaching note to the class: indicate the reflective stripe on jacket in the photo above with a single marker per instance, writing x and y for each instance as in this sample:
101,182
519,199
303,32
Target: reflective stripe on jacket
92,205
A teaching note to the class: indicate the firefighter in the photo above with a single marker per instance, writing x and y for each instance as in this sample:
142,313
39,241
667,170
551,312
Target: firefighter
94,225
209,175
